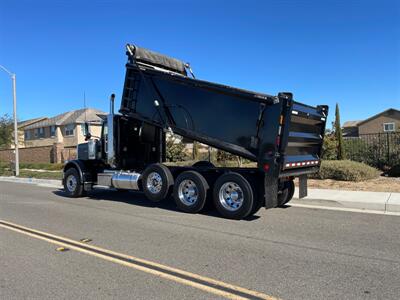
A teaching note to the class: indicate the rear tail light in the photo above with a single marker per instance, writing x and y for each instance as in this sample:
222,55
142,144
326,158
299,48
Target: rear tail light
299,164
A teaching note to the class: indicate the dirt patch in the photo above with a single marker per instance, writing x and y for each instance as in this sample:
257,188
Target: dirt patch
380,184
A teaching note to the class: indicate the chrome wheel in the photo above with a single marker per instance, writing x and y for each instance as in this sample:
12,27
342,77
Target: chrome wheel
154,183
188,192
72,183
231,196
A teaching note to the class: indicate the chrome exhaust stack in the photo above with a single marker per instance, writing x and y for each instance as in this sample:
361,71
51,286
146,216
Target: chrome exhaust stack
110,134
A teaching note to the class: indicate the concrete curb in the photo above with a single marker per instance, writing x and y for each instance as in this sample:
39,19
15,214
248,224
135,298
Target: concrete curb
373,201
39,182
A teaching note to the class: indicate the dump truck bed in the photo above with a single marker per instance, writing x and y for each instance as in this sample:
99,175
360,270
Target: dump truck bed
273,130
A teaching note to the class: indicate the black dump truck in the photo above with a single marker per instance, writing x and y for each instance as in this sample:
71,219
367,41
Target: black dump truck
161,96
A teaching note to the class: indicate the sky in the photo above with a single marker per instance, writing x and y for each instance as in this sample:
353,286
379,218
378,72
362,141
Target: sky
324,52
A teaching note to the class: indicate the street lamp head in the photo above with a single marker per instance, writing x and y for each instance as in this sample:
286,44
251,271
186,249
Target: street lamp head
7,71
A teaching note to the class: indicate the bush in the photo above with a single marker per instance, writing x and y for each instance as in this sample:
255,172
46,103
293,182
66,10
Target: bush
346,170
394,171
329,147
175,149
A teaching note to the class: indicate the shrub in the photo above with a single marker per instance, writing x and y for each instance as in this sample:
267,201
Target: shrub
394,171
329,147
346,170
175,149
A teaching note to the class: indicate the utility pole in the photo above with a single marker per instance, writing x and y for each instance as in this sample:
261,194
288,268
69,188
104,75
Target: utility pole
13,78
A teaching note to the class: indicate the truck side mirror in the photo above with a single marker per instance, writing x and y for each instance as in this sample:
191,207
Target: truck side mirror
88,135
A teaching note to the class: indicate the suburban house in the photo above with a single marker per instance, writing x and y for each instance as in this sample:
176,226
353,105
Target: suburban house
386,121
67,129
21,130
54,140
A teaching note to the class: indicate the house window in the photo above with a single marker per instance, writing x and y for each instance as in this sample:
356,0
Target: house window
69,129
41,132
84,129
36,133
52,131
388,127
27,135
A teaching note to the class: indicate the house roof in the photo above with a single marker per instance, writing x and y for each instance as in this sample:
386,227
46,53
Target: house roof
71,117
378,115
25,123
351,123
359,122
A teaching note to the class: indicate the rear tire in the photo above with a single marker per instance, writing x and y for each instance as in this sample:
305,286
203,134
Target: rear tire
190,191
257,202
233,196
287,193
157,181
73,185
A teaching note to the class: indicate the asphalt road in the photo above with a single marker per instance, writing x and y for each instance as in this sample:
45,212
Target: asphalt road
290,253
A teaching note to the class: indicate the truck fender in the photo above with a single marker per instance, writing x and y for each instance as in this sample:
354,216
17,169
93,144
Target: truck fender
79,166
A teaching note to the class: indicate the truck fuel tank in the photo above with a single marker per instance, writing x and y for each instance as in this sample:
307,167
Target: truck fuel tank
125,180
119,179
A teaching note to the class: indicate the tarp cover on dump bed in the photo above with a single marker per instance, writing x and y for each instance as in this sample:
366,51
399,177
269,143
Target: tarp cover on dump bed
157,59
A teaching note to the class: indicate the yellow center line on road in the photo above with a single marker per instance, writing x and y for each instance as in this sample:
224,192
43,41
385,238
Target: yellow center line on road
203,283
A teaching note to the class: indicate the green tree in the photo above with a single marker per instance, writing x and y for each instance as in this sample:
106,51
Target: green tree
6,130
339,136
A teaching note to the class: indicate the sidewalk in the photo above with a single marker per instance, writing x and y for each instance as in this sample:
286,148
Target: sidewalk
39,182
373,201
339,199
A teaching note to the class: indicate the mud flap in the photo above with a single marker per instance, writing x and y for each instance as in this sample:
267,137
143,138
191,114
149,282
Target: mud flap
303,186
270,191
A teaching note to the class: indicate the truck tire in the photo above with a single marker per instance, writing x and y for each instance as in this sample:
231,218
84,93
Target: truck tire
73,186
257,202
190,191
287,193
157,181
233,196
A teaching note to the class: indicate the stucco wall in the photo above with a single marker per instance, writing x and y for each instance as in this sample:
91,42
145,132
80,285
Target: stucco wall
42,142
376,125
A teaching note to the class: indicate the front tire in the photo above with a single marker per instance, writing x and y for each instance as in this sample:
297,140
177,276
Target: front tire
233,196
73,185
190,191
157,181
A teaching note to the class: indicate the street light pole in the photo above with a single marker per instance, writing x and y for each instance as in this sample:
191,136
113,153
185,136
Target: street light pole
13,78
